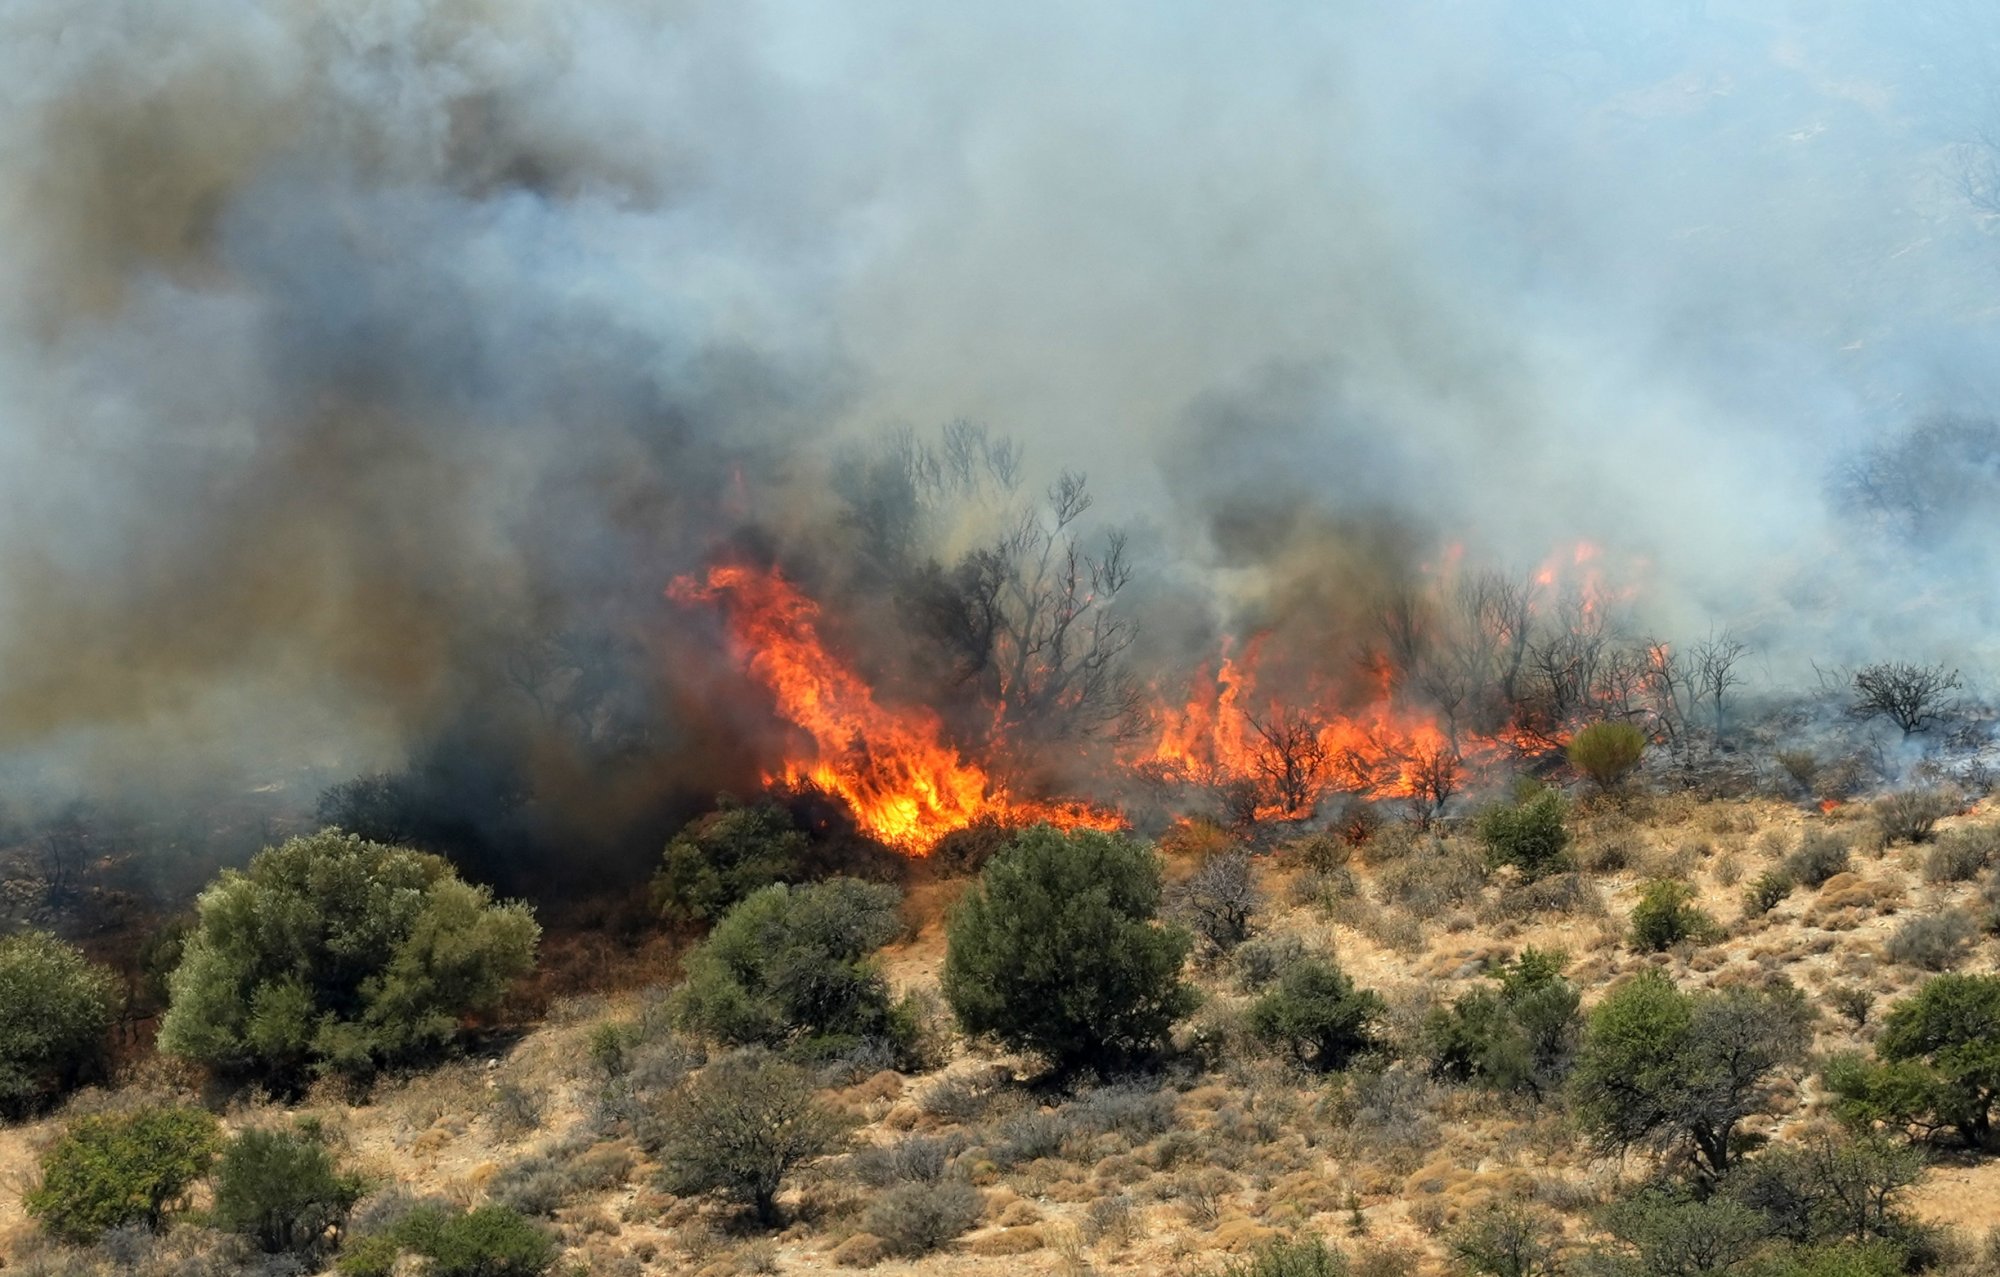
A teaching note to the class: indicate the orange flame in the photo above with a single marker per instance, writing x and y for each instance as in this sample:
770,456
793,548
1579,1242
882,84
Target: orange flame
905,785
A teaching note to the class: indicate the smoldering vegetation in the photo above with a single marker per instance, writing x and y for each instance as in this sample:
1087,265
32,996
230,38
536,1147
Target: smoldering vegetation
369,376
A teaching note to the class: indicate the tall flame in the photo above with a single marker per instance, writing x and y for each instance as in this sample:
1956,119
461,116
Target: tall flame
892,766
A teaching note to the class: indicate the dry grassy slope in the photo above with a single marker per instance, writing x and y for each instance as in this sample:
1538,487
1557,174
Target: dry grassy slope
1281,1161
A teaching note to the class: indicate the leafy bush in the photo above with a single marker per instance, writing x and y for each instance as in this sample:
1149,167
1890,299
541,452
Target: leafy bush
1935,943
491,1241
919,1216
1911,815
787,967
1305,1257
1529,834
1960,855
1218,900
739,1127
1938,1065
1317,1016
1057,950
1670,1069
1507,1239
725,857
1765,893
112,1169
281,1190
331,953
1830,1187
1607,752
1820,856
1666,915
1670,1232
1520,1036
55,1007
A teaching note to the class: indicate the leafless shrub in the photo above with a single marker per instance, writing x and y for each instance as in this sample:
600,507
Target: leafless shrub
1821,854
1434,773
1200,1195
1935,943
1802,765
1911,815
1218,900
1429,884
920,1216
1262,961
1111,1219
918,1159
515,1110
963,1098
1565,895
1292,759
1913,697
1961,854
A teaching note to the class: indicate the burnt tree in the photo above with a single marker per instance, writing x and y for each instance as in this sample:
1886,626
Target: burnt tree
1292,759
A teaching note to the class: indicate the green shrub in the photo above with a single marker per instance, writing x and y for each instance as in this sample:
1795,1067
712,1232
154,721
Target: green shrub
1670,1232
725,857
1763,895
1520,1036
1680,1071
1058,950
1304,1257
920,1216
1529,834
1507,1239
1317,1016
491,1241
1666,915
331,953
787,967
281,1190
55,1007
739,1127
1938,1065
114,1169
1607,752
1819,857
1830,1187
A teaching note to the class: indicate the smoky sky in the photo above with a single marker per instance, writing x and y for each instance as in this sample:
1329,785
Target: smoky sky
337,343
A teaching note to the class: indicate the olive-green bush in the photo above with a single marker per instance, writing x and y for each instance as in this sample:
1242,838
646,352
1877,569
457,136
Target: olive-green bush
725,857
1607,752
1528,834
113,1169
330,953
282,1190
55,1007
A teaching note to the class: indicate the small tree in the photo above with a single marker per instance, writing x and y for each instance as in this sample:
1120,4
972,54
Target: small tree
1913,697
114,1169
1528,834
1508,1240
1219,899
1058,950
1675,1070
1607,752
788,966
1317,1016
331,953
724,857
55,1007
1830,1187
1939,1061
739,1127
282,1190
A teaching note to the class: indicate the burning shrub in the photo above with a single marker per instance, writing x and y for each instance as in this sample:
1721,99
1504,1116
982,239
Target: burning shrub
114,1169
739,1127
382,954
1820,856
1935,1069
1672,1069
1528,834
1517,1037
787,968
1666,915
55,1007
1057,951
725,856
1218,900
1607,752
1935,943
1911,815
1317,1016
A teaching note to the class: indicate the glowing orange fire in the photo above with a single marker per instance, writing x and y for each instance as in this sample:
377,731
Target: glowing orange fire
892,766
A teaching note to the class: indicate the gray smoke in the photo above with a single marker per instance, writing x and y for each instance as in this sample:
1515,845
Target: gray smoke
341,346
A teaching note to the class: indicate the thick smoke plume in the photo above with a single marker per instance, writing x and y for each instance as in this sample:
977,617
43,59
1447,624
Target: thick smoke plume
367,372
